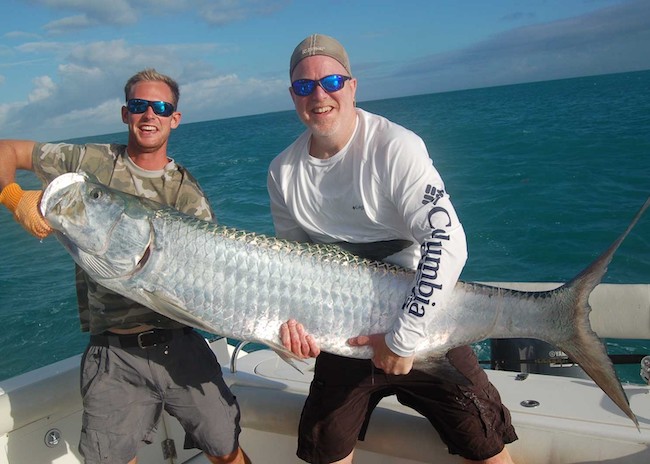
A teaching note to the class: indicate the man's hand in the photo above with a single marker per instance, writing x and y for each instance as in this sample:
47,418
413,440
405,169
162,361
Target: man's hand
295,339
383,357
25,206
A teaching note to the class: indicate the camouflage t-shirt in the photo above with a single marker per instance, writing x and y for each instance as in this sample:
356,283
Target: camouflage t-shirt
100,308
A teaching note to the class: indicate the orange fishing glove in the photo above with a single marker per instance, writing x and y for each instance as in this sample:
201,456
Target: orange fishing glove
24,205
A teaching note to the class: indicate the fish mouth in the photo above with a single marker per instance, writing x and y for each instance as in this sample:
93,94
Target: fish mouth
53,195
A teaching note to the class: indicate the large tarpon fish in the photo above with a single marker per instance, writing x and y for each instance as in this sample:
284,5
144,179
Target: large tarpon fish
244,285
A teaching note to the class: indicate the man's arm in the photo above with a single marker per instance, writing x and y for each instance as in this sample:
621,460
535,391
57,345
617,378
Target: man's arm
417,191
14,155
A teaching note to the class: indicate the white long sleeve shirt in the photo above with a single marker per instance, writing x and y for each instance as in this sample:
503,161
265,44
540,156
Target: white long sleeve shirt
381,186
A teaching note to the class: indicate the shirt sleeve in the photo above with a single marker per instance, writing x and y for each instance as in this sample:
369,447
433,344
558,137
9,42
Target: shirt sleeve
53,159
417,190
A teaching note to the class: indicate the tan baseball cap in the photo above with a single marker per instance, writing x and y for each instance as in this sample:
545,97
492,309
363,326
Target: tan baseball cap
319,44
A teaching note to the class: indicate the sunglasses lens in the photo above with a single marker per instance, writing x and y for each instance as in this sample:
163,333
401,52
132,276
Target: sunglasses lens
303,87
138,106
332,83
162,108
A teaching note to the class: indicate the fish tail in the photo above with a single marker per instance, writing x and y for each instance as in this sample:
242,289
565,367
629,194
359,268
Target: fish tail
584,346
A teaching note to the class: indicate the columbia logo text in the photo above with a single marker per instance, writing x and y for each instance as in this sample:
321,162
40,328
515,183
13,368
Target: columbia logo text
432,195
427,273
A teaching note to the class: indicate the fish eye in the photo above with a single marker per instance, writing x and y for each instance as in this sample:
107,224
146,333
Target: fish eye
96,193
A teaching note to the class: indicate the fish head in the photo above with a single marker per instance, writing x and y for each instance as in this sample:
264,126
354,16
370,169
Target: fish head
107,232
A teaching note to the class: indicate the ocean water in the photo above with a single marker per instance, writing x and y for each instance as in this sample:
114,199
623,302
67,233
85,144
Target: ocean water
544,177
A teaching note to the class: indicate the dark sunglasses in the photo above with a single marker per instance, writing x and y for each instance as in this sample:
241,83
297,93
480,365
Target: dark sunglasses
138,106
331,83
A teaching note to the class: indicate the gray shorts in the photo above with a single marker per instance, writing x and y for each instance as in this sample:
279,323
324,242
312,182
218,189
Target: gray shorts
125,390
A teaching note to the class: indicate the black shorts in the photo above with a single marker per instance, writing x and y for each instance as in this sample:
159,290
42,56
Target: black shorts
471,420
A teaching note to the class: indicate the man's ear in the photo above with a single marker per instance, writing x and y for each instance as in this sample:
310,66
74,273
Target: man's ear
176,119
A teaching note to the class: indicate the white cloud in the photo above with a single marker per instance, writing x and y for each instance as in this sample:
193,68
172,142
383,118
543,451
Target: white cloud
222,12
229,96
44,87
44,47
104,117
20,35
66,25
7,121
119,12
106,54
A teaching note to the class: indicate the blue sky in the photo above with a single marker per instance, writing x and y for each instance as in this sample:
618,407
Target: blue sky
63,63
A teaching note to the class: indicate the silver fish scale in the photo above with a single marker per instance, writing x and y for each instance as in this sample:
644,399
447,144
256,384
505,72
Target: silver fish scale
244,285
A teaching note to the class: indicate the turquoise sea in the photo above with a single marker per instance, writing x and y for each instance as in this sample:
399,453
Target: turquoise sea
544,177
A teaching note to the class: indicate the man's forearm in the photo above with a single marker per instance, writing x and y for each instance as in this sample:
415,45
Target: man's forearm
14,155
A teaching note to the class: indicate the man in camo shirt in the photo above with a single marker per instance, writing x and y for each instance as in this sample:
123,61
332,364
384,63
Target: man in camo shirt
137,361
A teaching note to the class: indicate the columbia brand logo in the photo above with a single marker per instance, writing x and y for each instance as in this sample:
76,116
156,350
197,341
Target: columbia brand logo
432,195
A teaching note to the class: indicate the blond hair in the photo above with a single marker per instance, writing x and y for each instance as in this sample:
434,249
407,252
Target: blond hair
151,74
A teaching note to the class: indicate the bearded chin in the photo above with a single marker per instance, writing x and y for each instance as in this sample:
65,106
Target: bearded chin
325,130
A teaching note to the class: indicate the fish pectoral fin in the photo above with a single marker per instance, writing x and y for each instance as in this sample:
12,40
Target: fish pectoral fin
94,264
163,304
292,361
287,356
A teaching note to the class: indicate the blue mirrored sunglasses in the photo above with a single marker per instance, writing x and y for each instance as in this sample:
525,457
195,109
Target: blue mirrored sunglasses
139,106
331,83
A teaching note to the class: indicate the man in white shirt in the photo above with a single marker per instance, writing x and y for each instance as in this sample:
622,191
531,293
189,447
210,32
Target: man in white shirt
357,179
